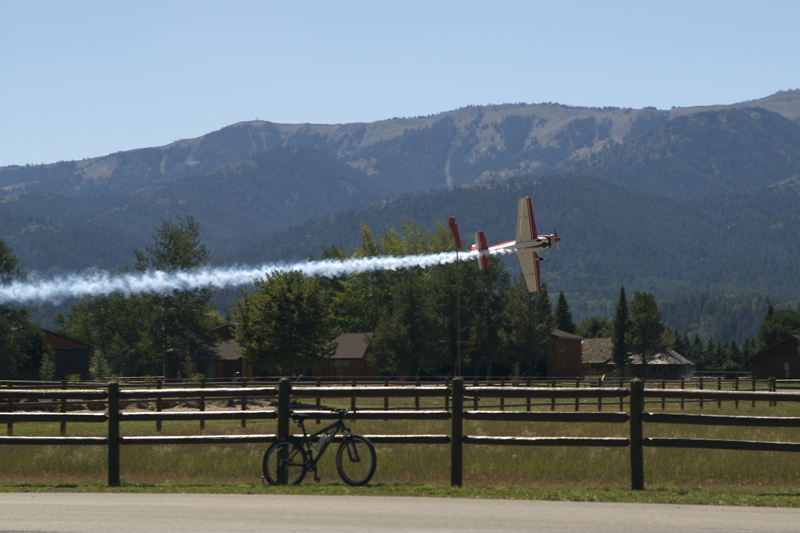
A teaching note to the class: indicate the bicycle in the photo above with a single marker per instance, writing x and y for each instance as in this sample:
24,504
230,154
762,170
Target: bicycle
287,460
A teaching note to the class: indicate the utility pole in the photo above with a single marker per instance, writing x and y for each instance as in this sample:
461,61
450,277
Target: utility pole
457,238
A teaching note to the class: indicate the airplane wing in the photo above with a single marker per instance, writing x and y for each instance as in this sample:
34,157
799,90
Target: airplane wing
529,261
526,226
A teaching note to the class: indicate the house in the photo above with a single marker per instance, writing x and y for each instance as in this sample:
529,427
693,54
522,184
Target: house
218,356
596,357
781,360
597,361
350,359
666,365
72,357
565,358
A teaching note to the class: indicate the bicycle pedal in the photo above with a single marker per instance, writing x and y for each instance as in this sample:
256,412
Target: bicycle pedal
263,481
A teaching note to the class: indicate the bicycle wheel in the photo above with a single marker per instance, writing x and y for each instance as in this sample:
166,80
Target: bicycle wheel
356,460
284,463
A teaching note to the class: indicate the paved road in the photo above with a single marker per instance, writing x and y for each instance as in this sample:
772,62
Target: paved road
112,512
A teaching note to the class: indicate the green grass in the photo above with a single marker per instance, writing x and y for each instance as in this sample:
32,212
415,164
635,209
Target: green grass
549,473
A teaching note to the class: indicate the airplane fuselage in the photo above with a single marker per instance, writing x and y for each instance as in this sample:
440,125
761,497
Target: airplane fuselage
542,242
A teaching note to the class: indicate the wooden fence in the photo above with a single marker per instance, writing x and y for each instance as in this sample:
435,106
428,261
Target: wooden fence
453,400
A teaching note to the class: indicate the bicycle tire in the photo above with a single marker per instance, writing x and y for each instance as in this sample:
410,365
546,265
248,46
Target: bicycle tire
292,465
356,460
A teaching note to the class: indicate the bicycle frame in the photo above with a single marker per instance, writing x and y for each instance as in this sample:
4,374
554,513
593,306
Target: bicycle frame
297,453
309,439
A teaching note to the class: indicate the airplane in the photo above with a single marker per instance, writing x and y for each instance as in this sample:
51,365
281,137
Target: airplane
526,246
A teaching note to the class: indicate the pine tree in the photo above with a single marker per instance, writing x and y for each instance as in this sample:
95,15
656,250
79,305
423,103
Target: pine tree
619,332
563,316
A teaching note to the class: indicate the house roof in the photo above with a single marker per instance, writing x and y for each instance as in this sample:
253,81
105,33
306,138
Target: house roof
796,338
564,335
62,342
351,346
220,350
598,351
668,357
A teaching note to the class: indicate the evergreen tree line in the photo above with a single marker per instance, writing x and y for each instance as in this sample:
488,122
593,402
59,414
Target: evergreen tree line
448,319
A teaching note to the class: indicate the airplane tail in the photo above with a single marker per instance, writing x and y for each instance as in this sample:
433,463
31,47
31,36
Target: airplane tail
483,250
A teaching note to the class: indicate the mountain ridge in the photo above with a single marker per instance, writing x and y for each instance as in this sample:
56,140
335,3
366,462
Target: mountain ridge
480,132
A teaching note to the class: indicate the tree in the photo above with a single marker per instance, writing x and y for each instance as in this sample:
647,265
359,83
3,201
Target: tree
777,325
117,328
180,316
405,333
287,324
563,316
530,324
594,328
619,332
22,343
149,333
646,330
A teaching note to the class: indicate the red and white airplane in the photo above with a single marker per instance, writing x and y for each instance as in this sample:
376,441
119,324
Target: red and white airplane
526,246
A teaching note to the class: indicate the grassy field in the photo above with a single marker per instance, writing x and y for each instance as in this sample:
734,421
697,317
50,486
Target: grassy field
586,474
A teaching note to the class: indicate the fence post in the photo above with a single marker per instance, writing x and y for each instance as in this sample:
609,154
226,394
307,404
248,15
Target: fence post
353,399
736,387
637,456
502,398
159,382
63,408
10,425
319,401
244,402
456,444
528,399
719,387
701,388
113,434
553,399
683,386
202,403
772,388
577,399
284,397
599,398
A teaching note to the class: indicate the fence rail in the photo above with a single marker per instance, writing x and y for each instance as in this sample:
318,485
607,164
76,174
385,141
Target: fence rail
455,395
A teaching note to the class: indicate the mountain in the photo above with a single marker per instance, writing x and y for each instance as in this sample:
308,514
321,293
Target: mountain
680,202
250,199
468,145
705,154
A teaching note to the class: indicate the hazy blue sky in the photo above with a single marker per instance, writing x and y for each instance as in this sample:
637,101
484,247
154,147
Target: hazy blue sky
88,78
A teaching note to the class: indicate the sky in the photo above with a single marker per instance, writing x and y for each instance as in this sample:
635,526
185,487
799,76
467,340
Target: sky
86,79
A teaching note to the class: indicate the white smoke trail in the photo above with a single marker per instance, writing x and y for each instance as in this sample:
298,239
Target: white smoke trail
59,288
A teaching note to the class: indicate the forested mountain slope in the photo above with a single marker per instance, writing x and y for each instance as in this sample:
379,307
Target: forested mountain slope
681,202
741,244
251,199
704,154
467,145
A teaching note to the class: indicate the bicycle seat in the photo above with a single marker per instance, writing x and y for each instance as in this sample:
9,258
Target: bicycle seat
298,417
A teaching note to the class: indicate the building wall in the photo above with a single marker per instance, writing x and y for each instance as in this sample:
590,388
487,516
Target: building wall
565,360
781,361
